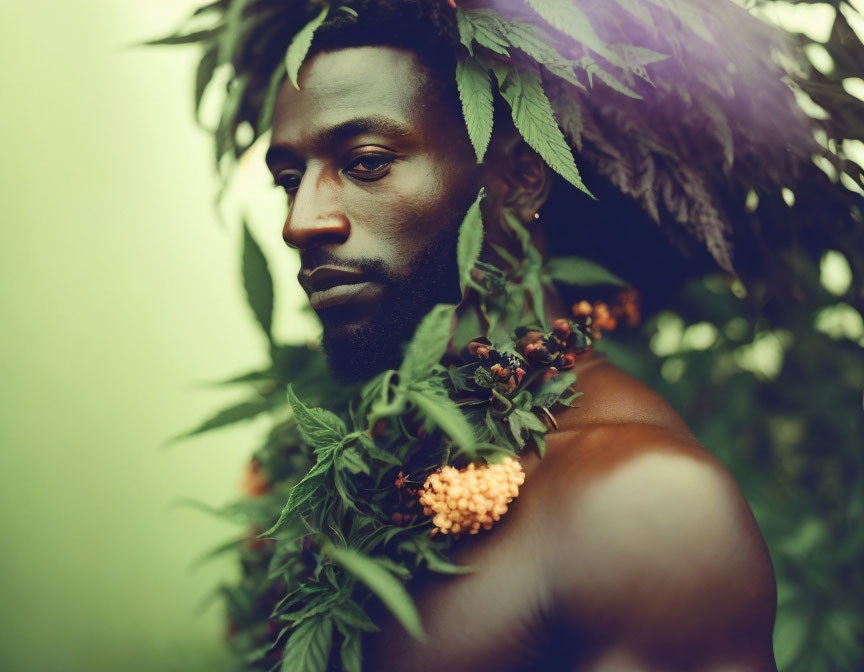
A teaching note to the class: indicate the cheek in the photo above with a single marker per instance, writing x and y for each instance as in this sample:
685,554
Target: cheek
414,205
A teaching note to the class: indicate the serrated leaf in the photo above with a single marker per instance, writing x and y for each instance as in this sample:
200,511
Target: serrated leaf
308,647
245,410
301,492
470,241
551,391
299,46
466,31
475,92
593,69
442,412
581,272
484,27
570,20
534,42
382,583
350,460
532,115
318,426
257,281
428,345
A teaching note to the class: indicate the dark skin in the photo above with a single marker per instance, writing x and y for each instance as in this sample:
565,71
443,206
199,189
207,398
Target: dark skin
630,547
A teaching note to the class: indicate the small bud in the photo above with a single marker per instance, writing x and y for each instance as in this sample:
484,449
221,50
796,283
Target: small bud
561,327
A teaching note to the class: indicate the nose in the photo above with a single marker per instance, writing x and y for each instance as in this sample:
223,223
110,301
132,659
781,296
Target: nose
315,217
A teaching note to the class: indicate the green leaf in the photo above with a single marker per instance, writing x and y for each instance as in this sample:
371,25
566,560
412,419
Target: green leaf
245,410
231,36
441,411
435,560
265,118
470,240
484,27
350,613
593,69
581,272
466,31
318,426
182,38
203,76
224,137
529,421
551,391
351,654
475,92
428,345
531,275
308,647
349,459
378,453
299,46
301,492
382,583
515,424
570,20
533,116
257,281
534,42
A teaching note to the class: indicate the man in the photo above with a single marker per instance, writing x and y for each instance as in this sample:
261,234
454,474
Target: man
630,547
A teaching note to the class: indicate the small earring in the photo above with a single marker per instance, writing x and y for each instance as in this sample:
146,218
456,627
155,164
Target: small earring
536,215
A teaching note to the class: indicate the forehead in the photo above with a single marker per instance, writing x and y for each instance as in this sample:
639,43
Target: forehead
348,83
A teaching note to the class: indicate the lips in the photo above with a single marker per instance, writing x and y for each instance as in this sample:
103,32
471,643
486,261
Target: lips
329,286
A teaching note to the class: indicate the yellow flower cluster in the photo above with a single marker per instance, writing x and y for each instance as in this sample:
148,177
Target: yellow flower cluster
464,500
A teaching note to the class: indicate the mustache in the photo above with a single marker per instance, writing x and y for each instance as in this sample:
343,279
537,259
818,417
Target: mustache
374,270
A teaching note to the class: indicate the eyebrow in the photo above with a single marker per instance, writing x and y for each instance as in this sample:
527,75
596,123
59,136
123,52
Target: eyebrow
340,133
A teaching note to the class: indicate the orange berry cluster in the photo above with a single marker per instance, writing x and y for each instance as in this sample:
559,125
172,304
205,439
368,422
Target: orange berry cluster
602,318
464,500
255,483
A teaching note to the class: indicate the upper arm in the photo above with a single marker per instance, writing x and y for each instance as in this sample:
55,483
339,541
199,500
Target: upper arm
659,562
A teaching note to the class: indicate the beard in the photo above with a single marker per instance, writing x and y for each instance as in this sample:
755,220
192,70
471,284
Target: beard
358,349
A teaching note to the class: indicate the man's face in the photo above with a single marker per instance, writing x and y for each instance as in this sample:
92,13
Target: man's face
379,172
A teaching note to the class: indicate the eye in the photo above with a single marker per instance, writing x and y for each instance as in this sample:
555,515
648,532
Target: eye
369,167
289,180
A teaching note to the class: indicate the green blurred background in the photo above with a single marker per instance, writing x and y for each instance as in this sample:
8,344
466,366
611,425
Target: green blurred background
122,302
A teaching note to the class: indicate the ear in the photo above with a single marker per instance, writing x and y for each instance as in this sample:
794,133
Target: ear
516,177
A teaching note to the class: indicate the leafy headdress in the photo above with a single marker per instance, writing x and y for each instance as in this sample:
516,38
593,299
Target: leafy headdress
686,107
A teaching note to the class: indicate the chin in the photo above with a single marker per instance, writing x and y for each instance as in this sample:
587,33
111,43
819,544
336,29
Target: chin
359,350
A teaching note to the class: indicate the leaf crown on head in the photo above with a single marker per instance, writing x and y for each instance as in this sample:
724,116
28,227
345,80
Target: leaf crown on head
686,106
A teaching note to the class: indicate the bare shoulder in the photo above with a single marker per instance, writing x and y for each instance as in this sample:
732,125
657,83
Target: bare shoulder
653,545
